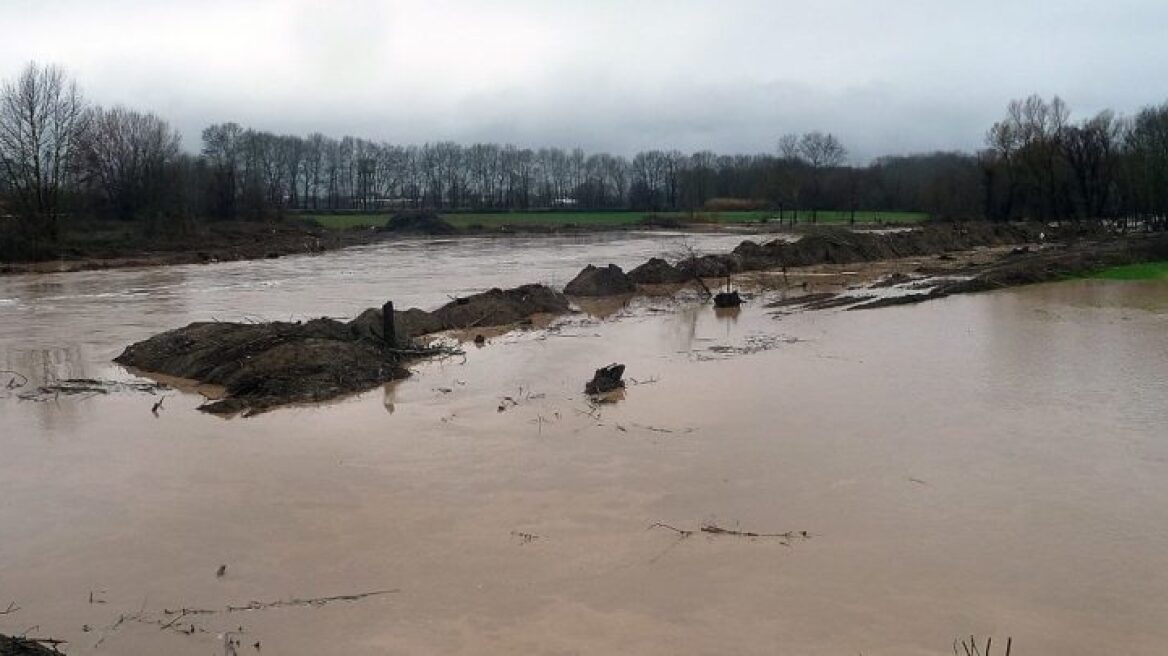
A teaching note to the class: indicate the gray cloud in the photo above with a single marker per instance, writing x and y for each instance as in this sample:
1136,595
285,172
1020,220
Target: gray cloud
729,75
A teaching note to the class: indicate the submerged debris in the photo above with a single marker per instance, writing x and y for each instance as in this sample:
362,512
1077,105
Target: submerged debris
87,387
727,299
606,379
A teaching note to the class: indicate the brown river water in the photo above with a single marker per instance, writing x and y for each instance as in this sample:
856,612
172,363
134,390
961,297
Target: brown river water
992,464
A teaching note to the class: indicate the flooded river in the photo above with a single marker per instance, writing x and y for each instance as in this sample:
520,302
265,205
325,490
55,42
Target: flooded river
992,464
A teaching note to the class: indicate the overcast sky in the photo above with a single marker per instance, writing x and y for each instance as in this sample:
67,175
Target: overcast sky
887,76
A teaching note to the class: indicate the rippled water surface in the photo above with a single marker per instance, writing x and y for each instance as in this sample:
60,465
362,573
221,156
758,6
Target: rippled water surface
985,464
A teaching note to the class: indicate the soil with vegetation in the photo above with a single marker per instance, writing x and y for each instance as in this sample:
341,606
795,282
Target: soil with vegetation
117,244
107,245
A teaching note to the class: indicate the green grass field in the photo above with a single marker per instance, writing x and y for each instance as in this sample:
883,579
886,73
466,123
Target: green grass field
1145,271
599,219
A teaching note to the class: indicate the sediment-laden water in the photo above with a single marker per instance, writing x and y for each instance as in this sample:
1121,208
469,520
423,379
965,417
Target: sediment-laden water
991,464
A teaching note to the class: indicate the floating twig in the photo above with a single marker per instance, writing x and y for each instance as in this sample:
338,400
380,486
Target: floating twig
680,531
718,530
316,601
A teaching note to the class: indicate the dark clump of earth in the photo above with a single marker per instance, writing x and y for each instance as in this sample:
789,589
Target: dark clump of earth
606,379
600,281
419,222
657,272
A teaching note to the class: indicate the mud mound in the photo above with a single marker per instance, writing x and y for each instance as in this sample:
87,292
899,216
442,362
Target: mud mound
657,272
419,223
712,266
263,365
841,246
499,307
1047,265
1059,264
595,281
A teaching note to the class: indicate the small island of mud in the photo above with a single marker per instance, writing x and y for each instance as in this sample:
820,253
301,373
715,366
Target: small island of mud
262,365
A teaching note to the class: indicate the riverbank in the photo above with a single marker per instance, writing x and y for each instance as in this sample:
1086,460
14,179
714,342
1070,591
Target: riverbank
116,245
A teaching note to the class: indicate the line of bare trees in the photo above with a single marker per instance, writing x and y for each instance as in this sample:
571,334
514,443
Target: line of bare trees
62,157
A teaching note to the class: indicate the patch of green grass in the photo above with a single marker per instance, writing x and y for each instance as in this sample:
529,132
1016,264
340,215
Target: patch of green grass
1145,271
623,218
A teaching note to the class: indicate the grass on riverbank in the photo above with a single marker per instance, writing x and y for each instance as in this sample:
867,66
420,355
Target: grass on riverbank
494,220
1143,271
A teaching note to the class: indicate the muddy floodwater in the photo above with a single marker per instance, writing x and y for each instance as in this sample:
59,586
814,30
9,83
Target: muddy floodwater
988,464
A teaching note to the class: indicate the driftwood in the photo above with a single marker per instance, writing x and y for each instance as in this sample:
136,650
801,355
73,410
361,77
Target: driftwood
714,529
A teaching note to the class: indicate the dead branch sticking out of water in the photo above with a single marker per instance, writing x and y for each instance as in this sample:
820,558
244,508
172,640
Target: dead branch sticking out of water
971,649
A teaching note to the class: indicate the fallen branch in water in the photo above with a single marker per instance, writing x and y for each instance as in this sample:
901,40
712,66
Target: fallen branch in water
680,531
714,529
316,601
718,530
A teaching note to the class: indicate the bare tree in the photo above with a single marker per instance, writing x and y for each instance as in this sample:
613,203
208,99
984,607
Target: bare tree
125,155
42,115
820,152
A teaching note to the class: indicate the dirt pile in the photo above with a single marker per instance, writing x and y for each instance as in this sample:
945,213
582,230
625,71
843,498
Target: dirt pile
1034,266
712,266
1060,263
657,272
597,281
269,364
499,307
262,365
840,246
418,223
